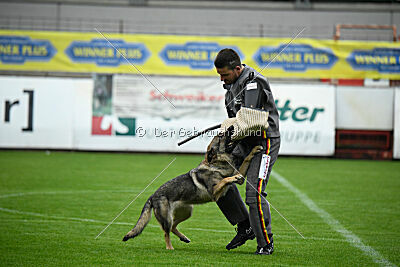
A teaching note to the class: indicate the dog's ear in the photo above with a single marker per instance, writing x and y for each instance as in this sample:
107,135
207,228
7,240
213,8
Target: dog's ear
210,155
230,131
229,143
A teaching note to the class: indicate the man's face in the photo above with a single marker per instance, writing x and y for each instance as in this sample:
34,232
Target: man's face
229,76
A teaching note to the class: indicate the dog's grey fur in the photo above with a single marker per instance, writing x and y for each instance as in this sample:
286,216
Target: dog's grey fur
173,201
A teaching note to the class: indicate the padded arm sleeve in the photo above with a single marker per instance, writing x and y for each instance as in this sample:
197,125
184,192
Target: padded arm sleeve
249,121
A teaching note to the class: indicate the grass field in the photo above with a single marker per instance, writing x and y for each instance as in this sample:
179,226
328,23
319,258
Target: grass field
52,206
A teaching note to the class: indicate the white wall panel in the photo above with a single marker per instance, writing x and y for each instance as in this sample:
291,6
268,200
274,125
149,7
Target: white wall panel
360,108
396,145
52,111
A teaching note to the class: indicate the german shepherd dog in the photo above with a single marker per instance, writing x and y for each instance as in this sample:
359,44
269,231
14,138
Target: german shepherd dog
173,201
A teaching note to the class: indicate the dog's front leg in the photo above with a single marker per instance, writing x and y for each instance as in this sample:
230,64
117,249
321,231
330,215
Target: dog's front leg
218,189
246,162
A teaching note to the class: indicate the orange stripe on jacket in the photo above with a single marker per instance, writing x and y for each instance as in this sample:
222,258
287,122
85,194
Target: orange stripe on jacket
265,134
268,146
261,214
259,189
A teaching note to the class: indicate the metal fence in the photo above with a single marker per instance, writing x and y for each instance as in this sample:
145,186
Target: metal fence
162,27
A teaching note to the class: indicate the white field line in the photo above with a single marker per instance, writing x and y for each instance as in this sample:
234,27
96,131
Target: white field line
63,219
350,237
66,192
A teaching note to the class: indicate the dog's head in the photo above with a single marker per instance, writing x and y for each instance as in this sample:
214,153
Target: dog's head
220,145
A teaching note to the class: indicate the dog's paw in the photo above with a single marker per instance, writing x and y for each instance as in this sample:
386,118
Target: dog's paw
257,149
186,240
125,238
240,180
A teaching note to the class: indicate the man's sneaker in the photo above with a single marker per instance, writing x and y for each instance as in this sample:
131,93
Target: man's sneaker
268,249
241,237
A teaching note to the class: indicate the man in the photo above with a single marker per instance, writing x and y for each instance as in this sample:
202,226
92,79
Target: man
254,120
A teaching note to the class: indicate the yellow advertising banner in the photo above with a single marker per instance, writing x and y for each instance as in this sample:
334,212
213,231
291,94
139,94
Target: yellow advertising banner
193,55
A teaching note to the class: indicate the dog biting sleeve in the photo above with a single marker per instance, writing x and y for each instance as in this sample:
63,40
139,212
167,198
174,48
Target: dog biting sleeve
249,121
226,124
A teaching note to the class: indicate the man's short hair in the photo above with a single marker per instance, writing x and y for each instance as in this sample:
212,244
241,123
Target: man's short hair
227,57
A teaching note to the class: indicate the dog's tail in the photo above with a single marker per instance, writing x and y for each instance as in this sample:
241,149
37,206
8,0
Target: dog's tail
142,222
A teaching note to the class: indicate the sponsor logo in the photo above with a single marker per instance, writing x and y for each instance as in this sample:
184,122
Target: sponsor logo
379,59
190,97
19,49
10,105
296,57
196,55
110,125
100,52
297,114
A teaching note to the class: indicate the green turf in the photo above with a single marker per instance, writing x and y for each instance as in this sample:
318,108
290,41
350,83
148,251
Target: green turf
45,200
